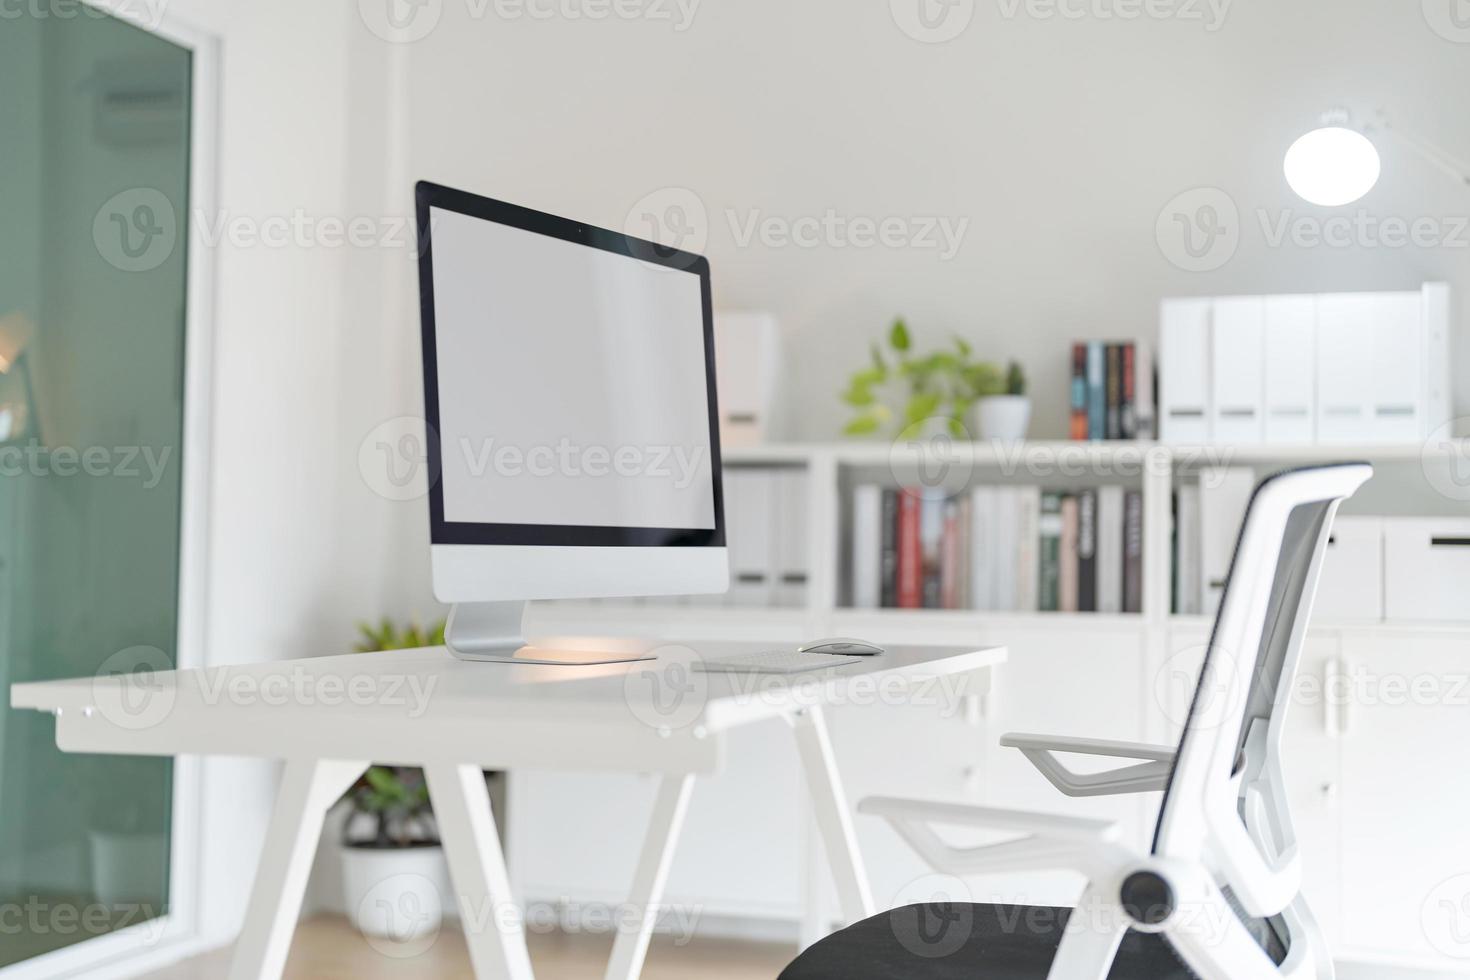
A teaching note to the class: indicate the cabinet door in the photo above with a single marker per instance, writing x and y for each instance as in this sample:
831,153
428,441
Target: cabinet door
1406,796
576,837
1062,682
927,751
1312,767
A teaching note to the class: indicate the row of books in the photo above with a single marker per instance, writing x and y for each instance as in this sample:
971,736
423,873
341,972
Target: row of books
998,548
1112,391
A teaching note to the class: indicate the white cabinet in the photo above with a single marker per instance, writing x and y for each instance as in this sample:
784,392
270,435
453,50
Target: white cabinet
1314,782
1405,851
1062,681
574,838
1374,762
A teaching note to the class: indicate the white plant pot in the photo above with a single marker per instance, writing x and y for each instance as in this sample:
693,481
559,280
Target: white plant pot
1003,417
399,894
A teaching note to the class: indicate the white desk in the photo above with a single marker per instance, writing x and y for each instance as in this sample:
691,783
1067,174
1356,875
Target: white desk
329,718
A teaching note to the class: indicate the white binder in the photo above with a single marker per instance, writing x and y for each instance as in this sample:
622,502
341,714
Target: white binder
983,508
789,579
1028,545
867,547
1396,363
1184,371
1345,367
1237,343
1437,398
1225,493
747,365
1291,369
749,503
1007,505
1110,549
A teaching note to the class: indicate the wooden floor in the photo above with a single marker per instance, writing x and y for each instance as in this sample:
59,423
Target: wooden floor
329,948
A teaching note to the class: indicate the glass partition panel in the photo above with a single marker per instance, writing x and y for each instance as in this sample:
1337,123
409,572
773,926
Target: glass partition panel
94,162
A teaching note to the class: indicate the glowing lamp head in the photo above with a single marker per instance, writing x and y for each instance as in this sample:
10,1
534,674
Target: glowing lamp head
1332,166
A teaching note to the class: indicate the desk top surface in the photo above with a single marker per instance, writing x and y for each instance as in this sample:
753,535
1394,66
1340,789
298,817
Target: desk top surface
428,697
438,683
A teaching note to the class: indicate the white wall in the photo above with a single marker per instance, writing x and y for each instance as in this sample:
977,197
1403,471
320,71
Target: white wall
1059,140
299,546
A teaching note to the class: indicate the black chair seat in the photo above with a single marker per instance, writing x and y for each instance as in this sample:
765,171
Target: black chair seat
969,942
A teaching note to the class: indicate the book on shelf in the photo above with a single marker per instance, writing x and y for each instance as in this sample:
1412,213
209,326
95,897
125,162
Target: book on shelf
1133,551
997,548
1050,596
910,552
1109,536
1087,550
888,535
1111,395
1067,557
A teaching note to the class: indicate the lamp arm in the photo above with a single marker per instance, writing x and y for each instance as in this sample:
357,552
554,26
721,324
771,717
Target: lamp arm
1435,154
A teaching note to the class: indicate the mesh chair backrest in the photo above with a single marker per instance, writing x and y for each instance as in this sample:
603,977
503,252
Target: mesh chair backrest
1263,613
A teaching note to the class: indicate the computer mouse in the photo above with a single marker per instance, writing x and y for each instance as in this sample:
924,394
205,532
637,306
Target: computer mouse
842,646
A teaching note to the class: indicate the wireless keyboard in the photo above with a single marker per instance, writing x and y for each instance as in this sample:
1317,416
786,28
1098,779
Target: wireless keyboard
773,662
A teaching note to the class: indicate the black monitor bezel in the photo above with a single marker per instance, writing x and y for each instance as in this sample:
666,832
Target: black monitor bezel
441,532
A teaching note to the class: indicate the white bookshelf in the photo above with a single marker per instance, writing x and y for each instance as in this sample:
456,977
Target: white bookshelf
1153,467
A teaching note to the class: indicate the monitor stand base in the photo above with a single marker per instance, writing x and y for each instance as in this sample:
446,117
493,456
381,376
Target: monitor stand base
491,632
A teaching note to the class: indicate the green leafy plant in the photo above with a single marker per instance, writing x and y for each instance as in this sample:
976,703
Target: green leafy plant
387,635
394,800
942,384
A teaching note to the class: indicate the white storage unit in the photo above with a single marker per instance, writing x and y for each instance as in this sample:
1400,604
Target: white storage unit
1339,368
1352,572
1427,569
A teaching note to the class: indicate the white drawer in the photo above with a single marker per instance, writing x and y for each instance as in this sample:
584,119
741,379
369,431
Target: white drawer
1351,589
1427,568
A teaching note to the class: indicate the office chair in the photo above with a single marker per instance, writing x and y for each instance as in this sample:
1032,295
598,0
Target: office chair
1218,897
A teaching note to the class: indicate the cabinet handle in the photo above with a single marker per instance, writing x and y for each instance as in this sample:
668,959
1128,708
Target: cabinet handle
1329,794
974,710
1336,697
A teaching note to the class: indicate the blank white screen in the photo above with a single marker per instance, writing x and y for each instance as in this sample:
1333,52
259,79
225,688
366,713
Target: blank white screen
572,386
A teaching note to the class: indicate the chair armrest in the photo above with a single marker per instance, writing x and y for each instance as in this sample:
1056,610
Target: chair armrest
1048,841
1049,825
1151,774
1089,746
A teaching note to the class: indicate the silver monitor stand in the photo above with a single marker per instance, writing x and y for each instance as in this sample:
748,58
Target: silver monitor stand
492,632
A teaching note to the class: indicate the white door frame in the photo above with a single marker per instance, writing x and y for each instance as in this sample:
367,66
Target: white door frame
135,949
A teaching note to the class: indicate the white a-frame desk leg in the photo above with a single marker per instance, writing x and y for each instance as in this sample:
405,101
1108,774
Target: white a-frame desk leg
309,787
492,923
631,946
834,819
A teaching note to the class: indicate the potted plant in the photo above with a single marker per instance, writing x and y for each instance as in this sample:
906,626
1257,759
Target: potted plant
1002,410
932,389
395,880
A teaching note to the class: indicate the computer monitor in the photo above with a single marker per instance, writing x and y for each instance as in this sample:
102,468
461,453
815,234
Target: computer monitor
569,387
